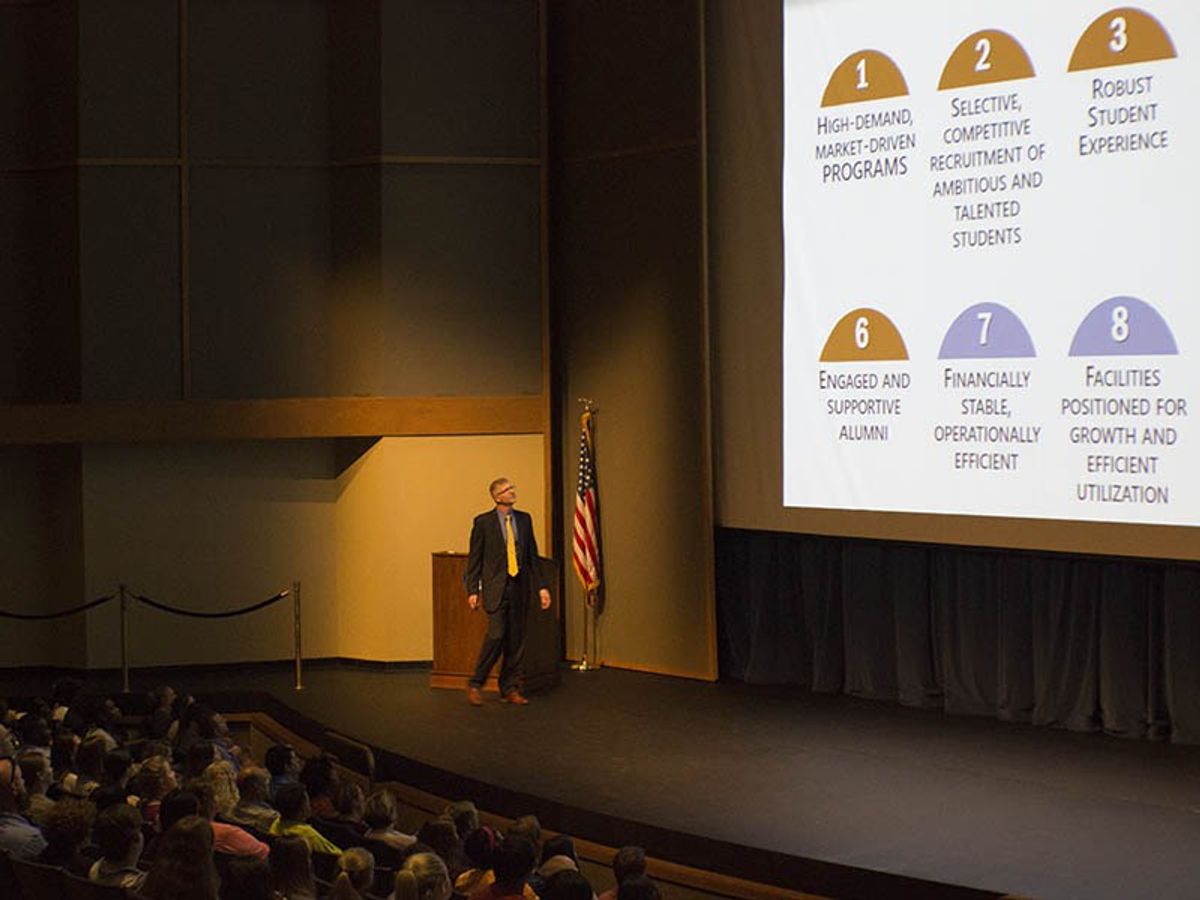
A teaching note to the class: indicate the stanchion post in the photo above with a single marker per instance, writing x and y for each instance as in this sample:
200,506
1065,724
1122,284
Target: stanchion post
124,595
296,619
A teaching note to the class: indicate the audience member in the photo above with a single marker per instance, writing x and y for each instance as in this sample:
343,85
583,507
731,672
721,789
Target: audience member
479,847
319,777
20,837
253,809
198,757
628,862
221,779
440,836
558,854
381,814
118,836
63,750
356,874
291,868
154,780
158,722
183,867
247,878
639,887
89,767
34,733
228,839
38,776
529,828
178,804
465,816
294,813
67,829
347,828
284,764
113,786
511,864
567,885
62,694
423,877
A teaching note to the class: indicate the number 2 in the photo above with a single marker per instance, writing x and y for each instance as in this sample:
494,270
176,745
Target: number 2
984,48
1120,38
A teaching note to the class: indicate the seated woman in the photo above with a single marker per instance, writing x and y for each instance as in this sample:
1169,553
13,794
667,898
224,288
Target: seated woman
183,868
356,874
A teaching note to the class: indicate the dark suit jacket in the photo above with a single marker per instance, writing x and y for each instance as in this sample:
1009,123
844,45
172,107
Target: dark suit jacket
487,563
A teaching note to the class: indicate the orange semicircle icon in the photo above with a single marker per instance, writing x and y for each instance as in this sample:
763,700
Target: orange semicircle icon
985,58
1121,37
862,76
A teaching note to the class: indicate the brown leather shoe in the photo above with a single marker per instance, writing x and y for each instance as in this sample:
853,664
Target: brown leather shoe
516,698
474,697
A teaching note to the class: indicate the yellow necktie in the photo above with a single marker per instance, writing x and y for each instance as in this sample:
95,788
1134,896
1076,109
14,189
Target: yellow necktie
510,545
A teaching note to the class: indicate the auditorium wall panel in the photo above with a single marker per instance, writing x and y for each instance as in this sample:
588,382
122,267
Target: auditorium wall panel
129,283
401,501
41,554
128,79
210,527
630,314
216,527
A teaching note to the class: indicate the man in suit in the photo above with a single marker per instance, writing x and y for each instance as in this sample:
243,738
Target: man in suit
502,571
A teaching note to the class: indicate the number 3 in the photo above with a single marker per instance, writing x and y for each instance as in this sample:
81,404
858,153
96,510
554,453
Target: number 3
1120,38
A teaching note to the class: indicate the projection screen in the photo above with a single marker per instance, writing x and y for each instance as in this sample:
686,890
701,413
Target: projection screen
987,331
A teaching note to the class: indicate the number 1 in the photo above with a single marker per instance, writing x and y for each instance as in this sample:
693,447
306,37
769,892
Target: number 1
862,74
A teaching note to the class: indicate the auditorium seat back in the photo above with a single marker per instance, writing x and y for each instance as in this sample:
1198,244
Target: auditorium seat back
38,881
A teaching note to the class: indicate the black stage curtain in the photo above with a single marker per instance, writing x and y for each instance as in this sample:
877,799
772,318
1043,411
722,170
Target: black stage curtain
1083,643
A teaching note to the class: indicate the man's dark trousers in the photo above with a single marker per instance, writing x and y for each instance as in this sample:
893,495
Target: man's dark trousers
505,637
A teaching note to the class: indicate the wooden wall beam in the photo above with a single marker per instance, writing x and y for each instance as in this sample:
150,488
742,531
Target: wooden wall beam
317,417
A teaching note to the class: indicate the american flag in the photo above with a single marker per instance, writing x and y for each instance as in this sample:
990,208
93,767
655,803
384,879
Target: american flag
585,543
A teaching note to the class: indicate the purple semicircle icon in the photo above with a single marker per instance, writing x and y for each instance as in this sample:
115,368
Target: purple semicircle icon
986,331
1124,326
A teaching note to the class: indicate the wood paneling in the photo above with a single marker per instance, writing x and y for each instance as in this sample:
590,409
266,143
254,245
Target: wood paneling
269,419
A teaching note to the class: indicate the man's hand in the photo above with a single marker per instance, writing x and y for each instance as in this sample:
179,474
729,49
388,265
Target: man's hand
545,595
473,601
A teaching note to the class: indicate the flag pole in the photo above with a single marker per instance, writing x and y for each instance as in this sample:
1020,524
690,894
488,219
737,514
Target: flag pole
586,539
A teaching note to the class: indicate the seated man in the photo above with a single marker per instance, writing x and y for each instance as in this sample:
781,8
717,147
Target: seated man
118,836
20,837
253,809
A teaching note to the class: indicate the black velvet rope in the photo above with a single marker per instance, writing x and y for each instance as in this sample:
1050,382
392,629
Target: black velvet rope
211,615
5,614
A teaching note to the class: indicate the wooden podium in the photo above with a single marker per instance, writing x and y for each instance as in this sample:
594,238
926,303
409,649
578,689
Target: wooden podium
458,631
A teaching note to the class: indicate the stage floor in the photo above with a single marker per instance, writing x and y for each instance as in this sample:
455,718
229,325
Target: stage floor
953,799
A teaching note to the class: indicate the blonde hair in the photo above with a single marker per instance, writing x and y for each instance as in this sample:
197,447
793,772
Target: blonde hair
222,780
356,874
424,877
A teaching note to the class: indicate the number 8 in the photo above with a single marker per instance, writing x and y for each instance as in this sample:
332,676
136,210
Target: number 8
1120,324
